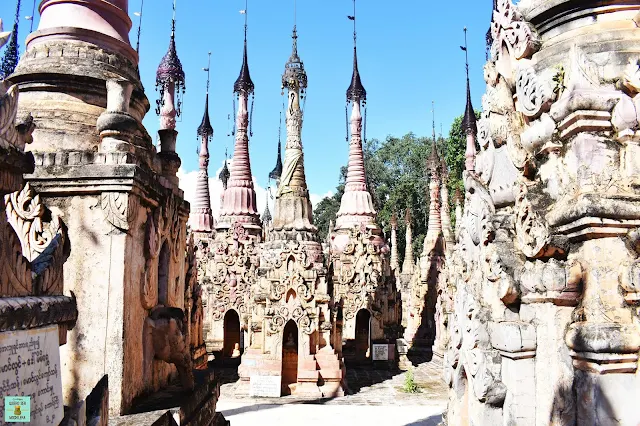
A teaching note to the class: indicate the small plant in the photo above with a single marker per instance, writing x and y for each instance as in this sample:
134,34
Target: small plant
410,385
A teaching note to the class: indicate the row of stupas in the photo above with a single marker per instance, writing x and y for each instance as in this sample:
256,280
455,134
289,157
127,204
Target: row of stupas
291,309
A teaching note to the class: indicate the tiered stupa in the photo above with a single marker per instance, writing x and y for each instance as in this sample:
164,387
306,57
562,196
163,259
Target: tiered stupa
230,265
420,330
290,325
201,217
363,283
239,203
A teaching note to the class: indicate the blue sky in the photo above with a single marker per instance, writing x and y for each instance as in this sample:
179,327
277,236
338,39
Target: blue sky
408,55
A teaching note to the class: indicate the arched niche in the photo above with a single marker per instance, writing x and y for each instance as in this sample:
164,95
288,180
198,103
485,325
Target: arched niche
231,334
163,274
363,336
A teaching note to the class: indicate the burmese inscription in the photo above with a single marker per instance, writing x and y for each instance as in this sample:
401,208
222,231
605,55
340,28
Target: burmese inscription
30,367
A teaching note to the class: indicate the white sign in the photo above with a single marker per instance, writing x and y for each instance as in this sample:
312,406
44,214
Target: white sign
30,366
381,352
266,386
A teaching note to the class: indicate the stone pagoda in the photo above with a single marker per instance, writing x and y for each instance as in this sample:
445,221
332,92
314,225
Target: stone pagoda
124,213
229,264
420,329
289,348
35,315
366,306
201,217
544,276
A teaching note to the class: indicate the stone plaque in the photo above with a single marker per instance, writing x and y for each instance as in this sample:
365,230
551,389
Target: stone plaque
381,352
30,367
266,386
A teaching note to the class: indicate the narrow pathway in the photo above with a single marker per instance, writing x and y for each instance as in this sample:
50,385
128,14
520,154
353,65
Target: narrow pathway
376,398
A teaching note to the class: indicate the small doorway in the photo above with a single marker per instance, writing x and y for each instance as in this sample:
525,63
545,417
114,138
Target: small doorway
289,358
363,337
231,335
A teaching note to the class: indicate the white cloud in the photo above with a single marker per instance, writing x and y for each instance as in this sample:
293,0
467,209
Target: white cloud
188,185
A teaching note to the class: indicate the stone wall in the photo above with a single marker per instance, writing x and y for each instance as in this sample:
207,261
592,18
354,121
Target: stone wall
544,328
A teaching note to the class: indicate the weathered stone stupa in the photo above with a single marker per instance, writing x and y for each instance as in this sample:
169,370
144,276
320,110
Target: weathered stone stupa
365,300
420,329
544,276
125,215
289,347
229,257
201,217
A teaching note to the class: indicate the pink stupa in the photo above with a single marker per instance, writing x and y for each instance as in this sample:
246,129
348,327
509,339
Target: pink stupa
201,218
239,202
356,205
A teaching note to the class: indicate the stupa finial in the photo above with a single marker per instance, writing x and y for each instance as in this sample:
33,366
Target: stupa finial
356,91
244,82
277,170
469,119
434,161
204,129
294,74
170,81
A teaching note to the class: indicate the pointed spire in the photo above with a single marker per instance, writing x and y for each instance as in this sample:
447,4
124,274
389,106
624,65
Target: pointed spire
204,129
244,84
266,216
277,170
10,58
202,217
294,73
469,119
170,68
356,91
434,161
170,81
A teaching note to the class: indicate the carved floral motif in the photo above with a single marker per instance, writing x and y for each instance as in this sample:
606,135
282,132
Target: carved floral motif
164,224
118,209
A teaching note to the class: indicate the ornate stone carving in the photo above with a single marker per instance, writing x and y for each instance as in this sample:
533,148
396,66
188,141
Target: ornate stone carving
359,273
235,260
8,111
509,30
532,233
42,242
164,223
535,93
118,208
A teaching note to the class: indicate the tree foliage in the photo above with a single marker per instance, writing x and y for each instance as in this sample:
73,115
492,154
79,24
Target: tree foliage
398,179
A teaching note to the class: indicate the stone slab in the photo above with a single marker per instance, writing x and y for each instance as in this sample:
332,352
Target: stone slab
381,352
265,386
30,366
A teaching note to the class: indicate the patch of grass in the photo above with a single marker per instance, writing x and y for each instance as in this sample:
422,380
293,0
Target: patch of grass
410,385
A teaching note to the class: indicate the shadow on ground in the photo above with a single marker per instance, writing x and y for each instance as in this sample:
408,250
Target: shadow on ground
429,421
